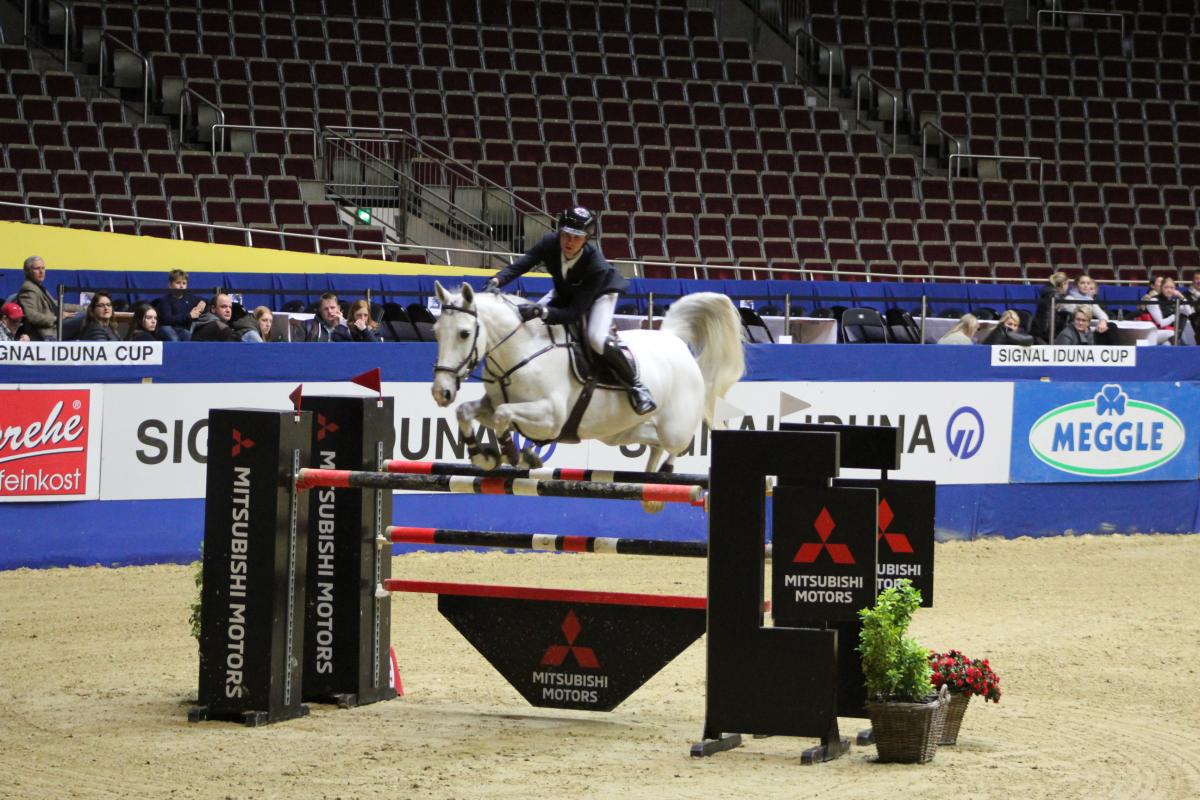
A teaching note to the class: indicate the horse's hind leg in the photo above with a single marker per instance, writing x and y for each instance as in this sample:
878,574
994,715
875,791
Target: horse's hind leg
482,456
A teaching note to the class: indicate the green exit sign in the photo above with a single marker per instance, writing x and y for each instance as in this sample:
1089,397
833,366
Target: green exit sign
363,215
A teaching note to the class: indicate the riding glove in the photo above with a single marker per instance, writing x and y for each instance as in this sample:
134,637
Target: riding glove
492,286
531,311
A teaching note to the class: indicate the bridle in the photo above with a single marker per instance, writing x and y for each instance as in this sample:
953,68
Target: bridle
465,367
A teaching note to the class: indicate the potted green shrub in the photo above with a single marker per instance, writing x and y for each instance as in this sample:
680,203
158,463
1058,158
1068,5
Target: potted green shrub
965,678
906,715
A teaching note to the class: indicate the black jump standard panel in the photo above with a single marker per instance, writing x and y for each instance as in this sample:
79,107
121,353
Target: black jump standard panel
763,680
574,654
347,628
255,546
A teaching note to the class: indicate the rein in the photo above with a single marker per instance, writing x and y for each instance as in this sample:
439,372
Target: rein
492,372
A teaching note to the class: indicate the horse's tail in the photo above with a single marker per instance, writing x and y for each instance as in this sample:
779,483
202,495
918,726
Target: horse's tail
712,328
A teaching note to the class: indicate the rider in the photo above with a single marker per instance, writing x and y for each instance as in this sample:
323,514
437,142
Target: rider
585,290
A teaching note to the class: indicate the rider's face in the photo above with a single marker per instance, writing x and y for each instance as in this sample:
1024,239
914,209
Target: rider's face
571,244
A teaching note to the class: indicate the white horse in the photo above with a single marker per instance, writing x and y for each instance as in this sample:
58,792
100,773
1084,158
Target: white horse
531,388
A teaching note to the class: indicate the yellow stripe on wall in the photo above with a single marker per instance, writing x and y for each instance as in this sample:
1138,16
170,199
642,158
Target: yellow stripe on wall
72,248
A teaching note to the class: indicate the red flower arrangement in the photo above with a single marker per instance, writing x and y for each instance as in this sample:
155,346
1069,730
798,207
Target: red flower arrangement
964,675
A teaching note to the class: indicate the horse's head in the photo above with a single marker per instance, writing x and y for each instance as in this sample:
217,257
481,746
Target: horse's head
460,343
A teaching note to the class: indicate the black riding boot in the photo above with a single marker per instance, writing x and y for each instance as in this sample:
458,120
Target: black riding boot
639,395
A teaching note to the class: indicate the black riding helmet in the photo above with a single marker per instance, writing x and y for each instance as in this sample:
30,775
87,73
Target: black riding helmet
578,221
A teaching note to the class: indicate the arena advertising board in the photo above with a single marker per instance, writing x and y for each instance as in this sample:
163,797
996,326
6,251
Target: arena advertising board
81,354
49,443
155,434
1072,432
950,432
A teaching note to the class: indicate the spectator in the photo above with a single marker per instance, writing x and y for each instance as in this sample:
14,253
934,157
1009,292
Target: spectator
178,310
328,325
143,327
1008,331
1048,303
216,324
1085,289
962,333
1080,329
585,292
40,307
12,324
1191,293
362,327
264,319
99,327
1158,306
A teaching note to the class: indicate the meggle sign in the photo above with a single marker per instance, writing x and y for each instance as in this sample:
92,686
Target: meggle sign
1105,432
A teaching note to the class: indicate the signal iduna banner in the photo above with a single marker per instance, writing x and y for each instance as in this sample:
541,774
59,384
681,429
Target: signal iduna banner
49,444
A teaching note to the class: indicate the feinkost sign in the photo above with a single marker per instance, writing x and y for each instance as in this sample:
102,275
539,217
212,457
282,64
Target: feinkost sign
44,447
1080,432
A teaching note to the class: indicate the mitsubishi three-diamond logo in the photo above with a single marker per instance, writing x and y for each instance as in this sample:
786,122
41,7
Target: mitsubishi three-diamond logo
809,551
897,542
556,654
325,427
240,443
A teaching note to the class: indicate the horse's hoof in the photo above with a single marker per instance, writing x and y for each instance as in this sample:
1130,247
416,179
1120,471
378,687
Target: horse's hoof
652,506
488,458
530,460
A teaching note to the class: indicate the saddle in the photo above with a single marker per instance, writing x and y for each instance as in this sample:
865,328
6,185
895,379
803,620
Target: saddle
590,371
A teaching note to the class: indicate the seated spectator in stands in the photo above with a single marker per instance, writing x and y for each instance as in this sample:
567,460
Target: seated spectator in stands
40,307
1008,331
1085,289
1049,300
178,310
1159,306
328,325
264,319
143,327
362,327
1191,293
1080,329
99,326
12,324
962,333
216,324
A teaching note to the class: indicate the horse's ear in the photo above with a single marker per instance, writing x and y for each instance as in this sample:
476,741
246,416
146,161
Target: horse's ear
442,295
468,294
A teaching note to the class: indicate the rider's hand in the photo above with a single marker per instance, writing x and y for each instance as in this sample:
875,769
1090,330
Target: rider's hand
492,286
531,311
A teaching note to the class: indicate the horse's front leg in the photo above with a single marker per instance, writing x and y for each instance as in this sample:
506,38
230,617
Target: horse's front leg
527,416
652,465
482,456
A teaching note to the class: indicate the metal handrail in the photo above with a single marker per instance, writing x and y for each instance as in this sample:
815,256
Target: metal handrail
180,224
223,127
800,32
889,92
186,103
68,12
341,130
638,265
944,132
957,159
1040,11
107,35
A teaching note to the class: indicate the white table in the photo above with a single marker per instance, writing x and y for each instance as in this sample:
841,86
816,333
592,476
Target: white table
1136,332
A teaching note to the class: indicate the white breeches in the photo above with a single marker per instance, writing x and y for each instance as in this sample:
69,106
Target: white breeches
599,319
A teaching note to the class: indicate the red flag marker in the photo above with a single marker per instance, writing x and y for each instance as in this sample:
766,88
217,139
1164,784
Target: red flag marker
369,380
296,396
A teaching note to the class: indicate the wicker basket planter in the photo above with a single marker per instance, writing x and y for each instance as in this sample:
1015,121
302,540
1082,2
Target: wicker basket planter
954,716
908,733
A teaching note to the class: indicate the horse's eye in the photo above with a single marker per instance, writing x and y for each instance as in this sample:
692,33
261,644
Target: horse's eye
464,334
